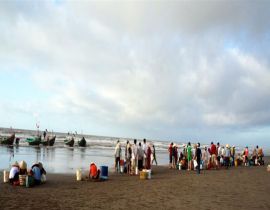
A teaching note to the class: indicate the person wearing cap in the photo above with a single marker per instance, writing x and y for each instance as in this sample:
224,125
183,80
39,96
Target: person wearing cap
93,171
14,173
37,170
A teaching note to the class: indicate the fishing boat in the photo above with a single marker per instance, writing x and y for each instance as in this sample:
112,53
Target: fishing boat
7,140
69,141
35,141
82,142
49,141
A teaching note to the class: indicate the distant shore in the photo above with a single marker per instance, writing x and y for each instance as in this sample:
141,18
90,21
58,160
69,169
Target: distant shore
236,188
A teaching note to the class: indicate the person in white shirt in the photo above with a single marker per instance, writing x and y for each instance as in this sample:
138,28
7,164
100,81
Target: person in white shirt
134,157
14,173
205,157
144,148
117,154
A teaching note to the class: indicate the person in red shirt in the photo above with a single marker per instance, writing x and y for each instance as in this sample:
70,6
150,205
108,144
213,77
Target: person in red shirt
94,172
213,153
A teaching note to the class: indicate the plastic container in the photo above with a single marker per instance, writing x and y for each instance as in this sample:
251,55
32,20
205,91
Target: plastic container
79,175
136,171
29,181
143,174
121,169
148,174
22,179
6,176
104,172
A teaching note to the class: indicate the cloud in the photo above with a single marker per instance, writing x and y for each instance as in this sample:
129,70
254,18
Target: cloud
157,68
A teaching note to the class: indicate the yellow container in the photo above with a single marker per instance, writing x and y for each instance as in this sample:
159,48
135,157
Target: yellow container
236,163
143,175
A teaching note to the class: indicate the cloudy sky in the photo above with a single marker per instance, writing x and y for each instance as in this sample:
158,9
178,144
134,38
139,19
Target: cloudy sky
171,70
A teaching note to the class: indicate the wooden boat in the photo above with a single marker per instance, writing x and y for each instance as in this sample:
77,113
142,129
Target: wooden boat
49,141
7,140
69,142
82,142
34,141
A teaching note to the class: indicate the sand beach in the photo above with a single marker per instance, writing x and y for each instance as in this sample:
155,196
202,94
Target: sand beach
236,188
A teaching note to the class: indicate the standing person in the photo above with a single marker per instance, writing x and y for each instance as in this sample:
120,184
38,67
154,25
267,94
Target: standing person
227,156
198,157
148,157
260,156
154,155
134,157
126,149
140,157
189,156
170,150
213,153
219,154
233,154
117,154
205,158
45,133
246,156
175,155
128,158
144,148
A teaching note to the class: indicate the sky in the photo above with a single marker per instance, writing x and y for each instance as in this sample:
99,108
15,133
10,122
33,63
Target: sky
167,70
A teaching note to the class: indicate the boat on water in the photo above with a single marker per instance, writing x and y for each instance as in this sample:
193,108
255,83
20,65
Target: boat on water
69,141
7,140
34,141
82,142
49,141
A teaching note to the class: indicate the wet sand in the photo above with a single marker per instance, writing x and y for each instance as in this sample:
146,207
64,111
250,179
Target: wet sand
236,188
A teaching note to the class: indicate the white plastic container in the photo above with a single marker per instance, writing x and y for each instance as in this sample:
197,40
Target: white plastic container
136,171
6,176
79,174
121,169
148,174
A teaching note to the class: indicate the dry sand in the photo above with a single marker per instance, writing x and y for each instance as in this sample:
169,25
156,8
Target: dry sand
236,188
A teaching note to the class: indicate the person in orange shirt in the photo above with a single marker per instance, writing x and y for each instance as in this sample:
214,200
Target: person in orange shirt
94,172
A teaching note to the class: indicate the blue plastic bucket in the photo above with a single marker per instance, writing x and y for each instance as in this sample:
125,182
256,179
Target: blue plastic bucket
104,172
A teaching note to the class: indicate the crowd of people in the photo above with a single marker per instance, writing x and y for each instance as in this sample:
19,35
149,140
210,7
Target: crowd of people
137,156
216,156
36,173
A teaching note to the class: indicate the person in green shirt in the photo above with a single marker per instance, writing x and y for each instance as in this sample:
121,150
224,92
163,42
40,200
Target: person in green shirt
189,155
